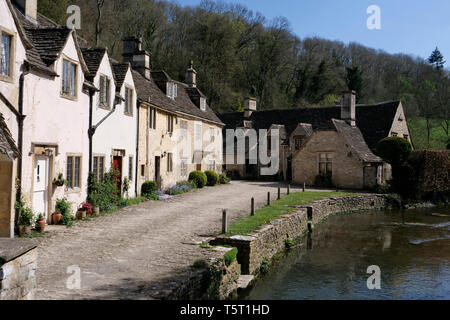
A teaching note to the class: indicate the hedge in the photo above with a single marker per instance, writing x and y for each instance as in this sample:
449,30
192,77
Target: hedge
199,178
212,178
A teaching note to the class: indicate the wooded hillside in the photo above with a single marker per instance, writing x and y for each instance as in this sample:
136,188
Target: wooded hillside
237,52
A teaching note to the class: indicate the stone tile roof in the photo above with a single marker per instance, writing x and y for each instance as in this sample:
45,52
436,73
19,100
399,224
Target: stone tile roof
93,57
355,139
148,91
120,71
7,144
374,120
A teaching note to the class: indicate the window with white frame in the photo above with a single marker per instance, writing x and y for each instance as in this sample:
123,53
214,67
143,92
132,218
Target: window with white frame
198,141
105,91
203,104
172,90
169,162
212,165
69,78
6,57
128,101
212,135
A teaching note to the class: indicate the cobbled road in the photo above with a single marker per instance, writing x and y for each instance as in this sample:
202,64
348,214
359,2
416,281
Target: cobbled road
138,251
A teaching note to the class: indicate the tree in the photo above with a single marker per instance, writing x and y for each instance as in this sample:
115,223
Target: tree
394,150
436,59
355,81
54,9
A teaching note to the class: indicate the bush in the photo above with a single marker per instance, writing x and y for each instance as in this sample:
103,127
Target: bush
148,188
233,174
26,217
224,179
212,178
394,150
63,206
180,188
104,194
199,178
230,256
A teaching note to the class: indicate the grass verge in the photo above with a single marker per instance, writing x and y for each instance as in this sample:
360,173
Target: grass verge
278,208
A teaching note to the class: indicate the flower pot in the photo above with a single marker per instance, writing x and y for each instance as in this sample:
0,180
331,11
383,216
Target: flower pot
81,215
96,211
56,218
40,225
58,183
24,230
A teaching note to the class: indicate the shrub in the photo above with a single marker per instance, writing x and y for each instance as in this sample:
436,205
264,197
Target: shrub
63,206
148,188
233,174
87,207
394,150
104,194
230,256
224,179
212,178
265,266
382,189
199,178
180,188
26,217
289,243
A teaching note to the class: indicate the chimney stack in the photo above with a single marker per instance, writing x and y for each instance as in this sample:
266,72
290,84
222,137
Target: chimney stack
29,8
191,75
348,107
249,107
138,58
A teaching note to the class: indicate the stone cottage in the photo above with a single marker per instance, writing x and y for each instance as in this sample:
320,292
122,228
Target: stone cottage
178,131
335,143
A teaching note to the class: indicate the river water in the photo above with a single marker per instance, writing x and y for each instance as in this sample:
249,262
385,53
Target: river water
412,250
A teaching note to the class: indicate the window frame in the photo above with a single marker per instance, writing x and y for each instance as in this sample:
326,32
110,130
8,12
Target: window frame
130,168
328,161
184,167
202,103
12,53
169,162
107,87
170,123
152,118
71,183
99,174
75,89
129,105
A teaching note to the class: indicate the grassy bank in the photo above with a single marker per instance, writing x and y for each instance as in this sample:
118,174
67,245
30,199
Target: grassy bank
418,128
278,208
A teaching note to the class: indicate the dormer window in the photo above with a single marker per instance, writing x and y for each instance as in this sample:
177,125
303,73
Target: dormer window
172,90
6,56
203,104
105,95
69,79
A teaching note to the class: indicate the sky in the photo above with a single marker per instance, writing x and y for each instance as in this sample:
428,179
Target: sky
413,27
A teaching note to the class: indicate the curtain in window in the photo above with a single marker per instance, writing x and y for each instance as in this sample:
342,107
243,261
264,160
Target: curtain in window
6,55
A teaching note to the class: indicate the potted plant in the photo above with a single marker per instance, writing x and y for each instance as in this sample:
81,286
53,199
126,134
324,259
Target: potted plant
60,181
25,221
62,208
40,223
85,209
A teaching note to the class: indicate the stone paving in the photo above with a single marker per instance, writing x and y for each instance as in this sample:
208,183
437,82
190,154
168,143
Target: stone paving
141,252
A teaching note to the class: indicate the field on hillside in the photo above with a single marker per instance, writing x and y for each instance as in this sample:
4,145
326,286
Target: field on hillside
418,130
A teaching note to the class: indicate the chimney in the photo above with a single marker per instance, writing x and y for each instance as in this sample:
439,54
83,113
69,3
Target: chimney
249,107
348,107
138,58
191,75
29,8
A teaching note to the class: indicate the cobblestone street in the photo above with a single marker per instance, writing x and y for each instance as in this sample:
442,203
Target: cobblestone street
136,252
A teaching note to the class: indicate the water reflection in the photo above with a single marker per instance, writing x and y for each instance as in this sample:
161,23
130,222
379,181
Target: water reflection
412,249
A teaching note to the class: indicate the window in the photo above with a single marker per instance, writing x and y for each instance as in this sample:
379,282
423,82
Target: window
325,164
212,134
298,142
183,167
130,168
170,123
105,95
405,136
73,172
172,90
152,118
69,78
203,104
99,167
142,170
129,101
394,134
169,162
6,54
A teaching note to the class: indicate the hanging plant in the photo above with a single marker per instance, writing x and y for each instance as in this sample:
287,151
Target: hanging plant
60,181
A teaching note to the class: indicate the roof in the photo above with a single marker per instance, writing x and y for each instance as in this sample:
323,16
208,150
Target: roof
148,91
93,57
355,139
120,72
7,144
374,120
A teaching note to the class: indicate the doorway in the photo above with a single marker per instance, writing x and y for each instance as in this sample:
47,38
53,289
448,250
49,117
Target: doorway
40,186
158,172
117,166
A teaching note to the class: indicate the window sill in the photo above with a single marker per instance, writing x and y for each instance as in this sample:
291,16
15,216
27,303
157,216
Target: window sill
68,97
8,79
105,107
73,191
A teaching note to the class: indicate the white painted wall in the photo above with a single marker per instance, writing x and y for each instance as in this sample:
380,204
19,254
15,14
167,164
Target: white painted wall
119,131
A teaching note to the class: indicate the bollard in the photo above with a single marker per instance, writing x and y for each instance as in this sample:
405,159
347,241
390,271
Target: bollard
309,211
253,207
304,187
289,189
279,193
268,198
224,222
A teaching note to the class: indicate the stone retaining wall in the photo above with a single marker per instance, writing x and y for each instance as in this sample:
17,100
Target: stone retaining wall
270,239
18,263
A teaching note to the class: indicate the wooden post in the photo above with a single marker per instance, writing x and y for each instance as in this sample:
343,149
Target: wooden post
268,198
289,189
253,207
279,193
224,222
304,186
309,211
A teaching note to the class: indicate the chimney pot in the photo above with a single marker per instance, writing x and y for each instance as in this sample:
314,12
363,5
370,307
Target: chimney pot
29,8
191,75
138,58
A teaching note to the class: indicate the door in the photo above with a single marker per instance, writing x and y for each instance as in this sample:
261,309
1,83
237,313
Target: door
158,172
117,165
40,186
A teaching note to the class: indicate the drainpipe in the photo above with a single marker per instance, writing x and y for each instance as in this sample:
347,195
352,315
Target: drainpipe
137,152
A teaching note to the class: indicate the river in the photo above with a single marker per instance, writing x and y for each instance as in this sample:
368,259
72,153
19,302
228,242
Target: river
411,249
